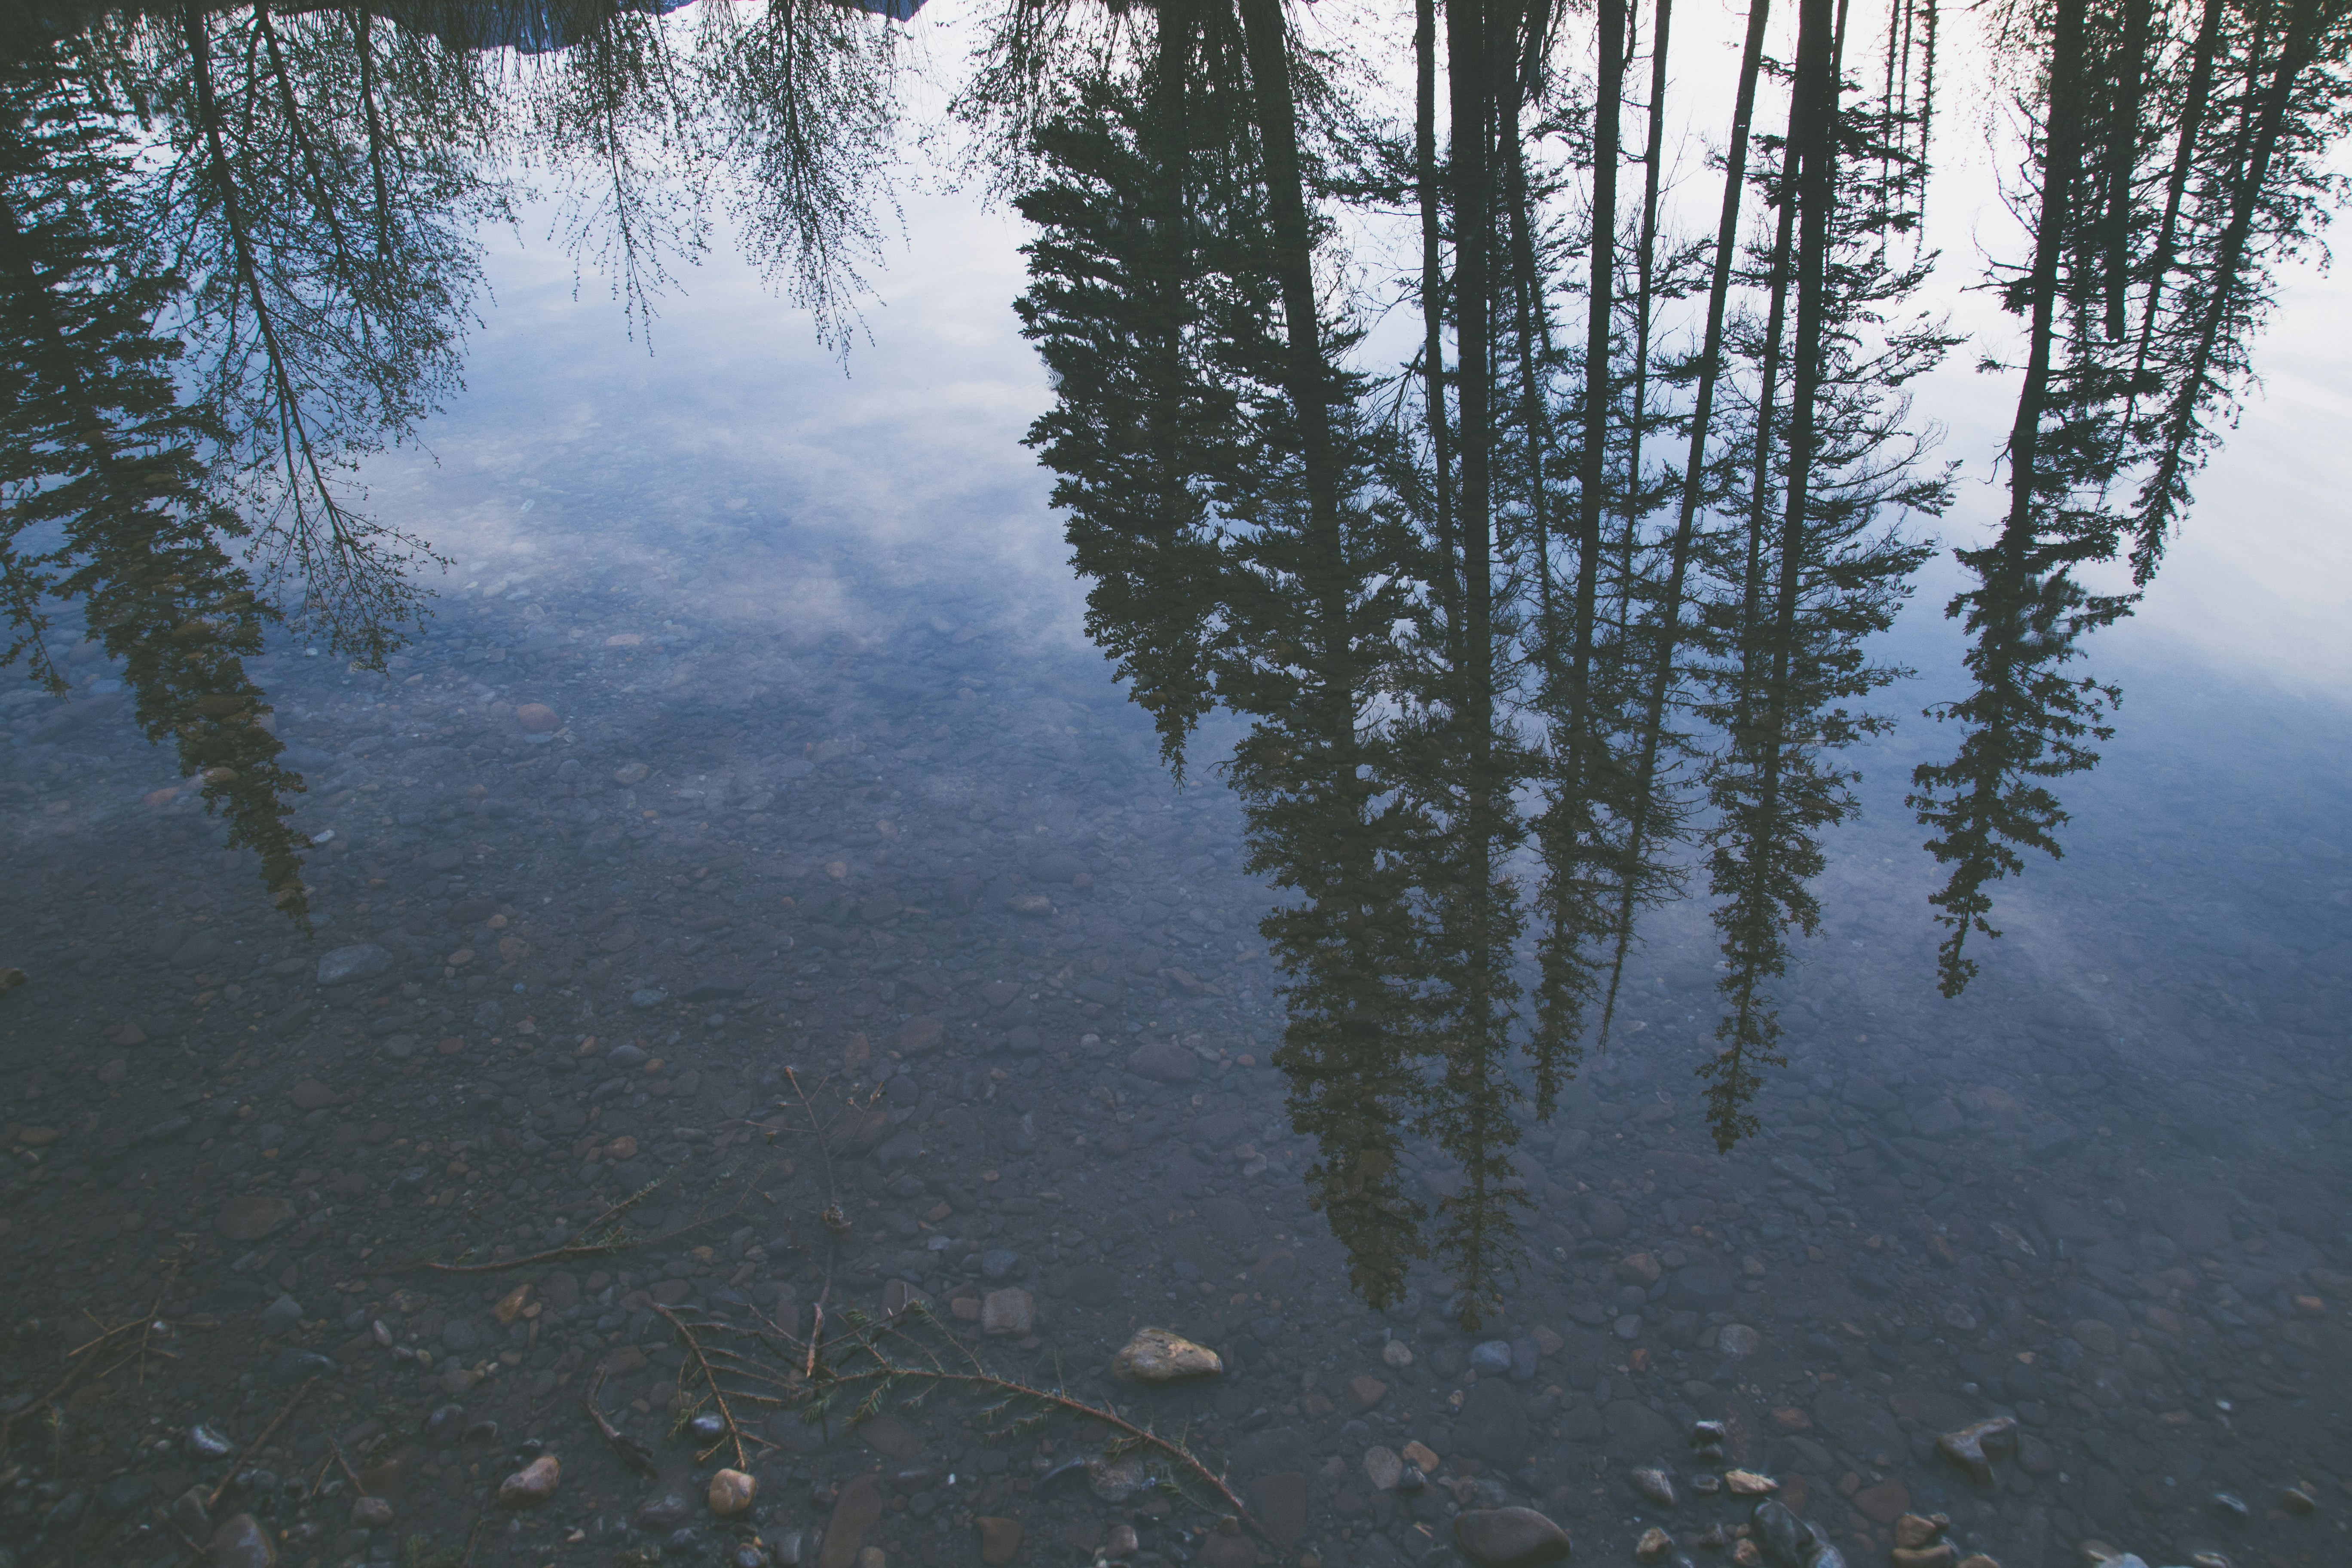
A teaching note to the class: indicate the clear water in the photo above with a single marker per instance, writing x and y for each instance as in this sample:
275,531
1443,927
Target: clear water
827,789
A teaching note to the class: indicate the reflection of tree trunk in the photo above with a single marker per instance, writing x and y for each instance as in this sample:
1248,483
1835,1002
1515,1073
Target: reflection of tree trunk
322,195
363,30
1727,244
1267,39
1768,388
2192,127
1529,298
1644,267
1470,79
2123,157
1600,311
1432,299
2166,488
1815,147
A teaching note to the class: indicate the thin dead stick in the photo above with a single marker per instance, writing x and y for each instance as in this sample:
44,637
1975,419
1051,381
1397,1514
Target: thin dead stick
212,1498
83,1367
348,1474
711,1377
591,1250
634,1454
887,1368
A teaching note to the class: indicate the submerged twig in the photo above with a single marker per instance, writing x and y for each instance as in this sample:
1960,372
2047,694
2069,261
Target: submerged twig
212,1498
634,1454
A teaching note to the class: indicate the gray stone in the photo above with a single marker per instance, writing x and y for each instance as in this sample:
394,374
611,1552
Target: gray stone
1805,1173
1638,1432
253,1216
345,966
242,1542
280,1315
459,1334
1493,1424
1702,1286
1164,1062
1492,1358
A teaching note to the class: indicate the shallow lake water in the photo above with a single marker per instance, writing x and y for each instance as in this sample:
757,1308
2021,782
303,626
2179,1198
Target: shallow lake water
751,839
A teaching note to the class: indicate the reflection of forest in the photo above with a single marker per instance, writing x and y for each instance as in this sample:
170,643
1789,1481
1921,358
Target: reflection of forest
1529,632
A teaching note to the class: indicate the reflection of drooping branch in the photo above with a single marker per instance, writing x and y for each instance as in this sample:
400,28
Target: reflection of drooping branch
104,497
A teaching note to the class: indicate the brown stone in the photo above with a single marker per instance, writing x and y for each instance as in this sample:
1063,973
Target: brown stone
1943,1554
510,1305
920,1035
370,1513
1420,1457
1000,1540
532,1484
1654,1544
1365,1392
856,1510
538,719
1008,1313
1640,1268
311,1095
731,1492
1748,1483
1912,1530
1885,1503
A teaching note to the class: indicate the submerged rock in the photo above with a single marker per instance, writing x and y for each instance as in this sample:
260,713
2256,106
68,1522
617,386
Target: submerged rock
1509,1537
1156,1355
1966,1447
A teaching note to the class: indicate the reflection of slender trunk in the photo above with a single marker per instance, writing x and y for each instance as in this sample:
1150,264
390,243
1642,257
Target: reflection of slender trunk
1265,38
322,191
2063,138
1534,341
1470,85
1760,498
1600,307
1432,299
363,27
2184,156
1644,267
1727,244
2123,157
1815,147
2164,490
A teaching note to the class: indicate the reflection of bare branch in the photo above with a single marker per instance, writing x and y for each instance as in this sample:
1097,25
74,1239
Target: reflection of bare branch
807,93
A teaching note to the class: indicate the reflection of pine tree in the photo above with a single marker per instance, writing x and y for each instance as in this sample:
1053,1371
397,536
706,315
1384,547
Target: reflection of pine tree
2117,394
104,495
1814,573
